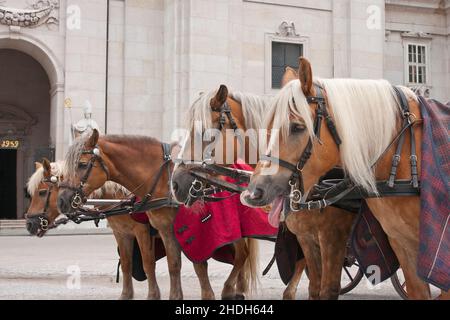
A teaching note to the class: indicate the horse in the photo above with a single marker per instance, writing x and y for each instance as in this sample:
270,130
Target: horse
138,163
43,186
363,123
322,236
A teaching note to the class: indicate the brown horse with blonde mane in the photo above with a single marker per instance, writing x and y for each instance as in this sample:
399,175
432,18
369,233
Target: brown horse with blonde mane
322,236
138,164
367,118
43,187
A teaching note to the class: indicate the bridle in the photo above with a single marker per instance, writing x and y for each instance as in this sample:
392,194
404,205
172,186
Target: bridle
204,184
42,218
225,112
79,196
342,189
296,179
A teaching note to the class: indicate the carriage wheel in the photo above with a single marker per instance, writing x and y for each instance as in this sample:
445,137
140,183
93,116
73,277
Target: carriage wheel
353,280
399,284
352,273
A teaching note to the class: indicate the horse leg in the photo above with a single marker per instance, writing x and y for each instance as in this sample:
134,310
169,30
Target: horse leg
334,232
148,260
291,290
247,277
311,251
174,262
229,288
415,287
125,243
162,220
201,269
445,295
399,217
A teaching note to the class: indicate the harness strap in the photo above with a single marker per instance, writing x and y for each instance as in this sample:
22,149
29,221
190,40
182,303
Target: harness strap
166,161
395,161
231,187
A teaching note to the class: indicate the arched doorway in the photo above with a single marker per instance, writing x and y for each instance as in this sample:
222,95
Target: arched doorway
24,126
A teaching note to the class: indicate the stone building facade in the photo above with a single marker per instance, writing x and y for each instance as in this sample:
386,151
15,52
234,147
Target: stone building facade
139,63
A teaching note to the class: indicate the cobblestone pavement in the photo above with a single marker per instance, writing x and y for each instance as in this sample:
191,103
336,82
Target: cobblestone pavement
32,268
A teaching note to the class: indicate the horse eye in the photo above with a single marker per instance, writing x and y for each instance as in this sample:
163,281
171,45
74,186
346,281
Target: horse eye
42,193
82,165
297,127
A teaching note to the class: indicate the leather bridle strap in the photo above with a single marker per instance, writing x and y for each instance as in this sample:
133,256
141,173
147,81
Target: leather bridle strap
225,112
296,179
44,223
167,159
79,196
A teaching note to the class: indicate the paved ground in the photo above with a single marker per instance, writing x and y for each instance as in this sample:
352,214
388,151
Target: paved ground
32,268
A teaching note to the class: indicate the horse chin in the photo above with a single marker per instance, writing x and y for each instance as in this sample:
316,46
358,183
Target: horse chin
249,201
41,233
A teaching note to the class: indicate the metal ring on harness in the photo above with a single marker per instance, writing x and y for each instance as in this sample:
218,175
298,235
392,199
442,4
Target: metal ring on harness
76,201
43,223
194,189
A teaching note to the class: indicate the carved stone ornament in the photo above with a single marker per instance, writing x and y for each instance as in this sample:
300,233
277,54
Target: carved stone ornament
411,34
38,13
286,29
14,120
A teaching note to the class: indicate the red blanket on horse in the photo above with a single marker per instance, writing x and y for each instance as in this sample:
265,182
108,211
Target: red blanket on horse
204,230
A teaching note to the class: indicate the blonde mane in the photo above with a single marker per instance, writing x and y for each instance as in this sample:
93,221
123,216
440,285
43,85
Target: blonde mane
73,155
111,188
38,176
365,113
253,107
57,169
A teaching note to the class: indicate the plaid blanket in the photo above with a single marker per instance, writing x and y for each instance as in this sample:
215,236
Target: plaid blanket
434,252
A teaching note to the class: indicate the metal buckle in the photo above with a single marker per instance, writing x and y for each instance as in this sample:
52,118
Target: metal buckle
76,201
194,188
43,223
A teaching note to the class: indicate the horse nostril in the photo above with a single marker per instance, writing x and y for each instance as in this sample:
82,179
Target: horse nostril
257,194
174,186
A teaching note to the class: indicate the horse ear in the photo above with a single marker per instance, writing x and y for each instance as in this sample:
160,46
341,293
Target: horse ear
220,97
47,167
37,165
289,75
93,139
305,75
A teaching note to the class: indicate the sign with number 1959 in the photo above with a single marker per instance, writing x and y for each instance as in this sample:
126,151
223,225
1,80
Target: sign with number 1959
9,144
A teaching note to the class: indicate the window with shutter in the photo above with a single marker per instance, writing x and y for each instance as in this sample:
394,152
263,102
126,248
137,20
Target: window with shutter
417,62
284,55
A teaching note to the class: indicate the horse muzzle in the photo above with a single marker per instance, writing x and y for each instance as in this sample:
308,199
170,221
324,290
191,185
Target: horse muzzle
37,225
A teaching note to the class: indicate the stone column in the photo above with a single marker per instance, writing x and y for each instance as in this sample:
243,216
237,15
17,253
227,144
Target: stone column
341,38
367,34
177,28
85,61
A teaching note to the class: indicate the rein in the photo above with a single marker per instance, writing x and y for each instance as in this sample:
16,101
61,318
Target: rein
126,207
